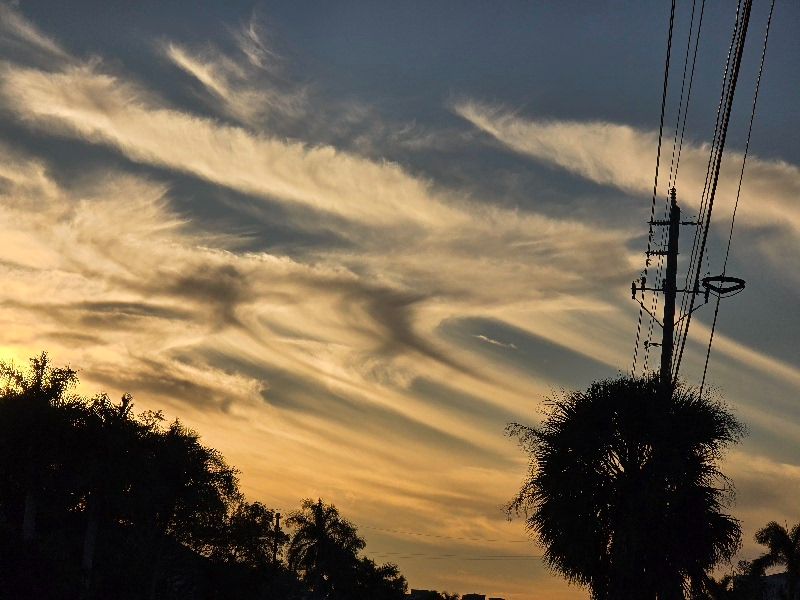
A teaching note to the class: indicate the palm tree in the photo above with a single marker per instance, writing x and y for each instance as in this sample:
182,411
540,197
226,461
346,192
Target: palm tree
323,548
740,584
624,491
706,587
783,548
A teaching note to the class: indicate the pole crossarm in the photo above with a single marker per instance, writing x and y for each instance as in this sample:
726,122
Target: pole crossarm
635,288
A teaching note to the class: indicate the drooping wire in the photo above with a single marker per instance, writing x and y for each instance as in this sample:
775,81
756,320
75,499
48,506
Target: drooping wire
655,180
673,170
674,161
683,330
662,245
694,266
741,34
638,337
427,556
691,80
446,537
680,150
683,109
738,189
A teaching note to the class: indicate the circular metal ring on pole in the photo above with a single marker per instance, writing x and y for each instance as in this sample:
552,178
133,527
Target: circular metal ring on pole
723,285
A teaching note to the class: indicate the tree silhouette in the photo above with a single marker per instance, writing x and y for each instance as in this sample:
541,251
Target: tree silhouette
379,582
36,438
192,490
740,584
707,587
434,595
624,491
116,472
323,548
99,502
250,537
112,445
783,548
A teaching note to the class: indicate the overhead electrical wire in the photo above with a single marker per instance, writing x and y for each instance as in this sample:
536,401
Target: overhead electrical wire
730,78
411,555
683,108
740,34
738,189
682,112
681,118
446,537
655,182
711,159
677,159
703,196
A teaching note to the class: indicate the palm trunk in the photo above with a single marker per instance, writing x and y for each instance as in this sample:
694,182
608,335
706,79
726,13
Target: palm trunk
793,581
89,544
156,574
29,516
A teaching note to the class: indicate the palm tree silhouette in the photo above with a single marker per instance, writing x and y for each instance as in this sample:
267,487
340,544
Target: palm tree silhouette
323,547
740,584
783,548
707,587
623,489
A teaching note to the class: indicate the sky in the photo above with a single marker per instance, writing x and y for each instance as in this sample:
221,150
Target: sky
348,242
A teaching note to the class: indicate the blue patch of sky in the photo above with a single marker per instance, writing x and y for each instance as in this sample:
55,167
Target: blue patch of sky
584,60
508,345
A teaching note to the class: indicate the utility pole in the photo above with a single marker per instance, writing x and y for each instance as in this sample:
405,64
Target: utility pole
720,285
277,537
669,287
670,291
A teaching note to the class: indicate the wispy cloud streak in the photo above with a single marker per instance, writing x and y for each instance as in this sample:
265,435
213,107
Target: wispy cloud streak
622,156
325,367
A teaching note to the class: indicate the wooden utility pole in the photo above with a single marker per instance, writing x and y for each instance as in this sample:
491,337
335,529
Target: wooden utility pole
670,291
668,287
277,537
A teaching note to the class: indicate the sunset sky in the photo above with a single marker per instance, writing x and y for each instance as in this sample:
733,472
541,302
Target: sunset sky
348,242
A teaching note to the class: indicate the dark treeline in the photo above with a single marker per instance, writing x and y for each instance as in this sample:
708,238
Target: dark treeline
97,501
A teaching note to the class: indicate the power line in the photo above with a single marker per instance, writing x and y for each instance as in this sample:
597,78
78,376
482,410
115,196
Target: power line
685,118
691,81
738,189
677,148
740,34
682,332
417,555
446,537
655,187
